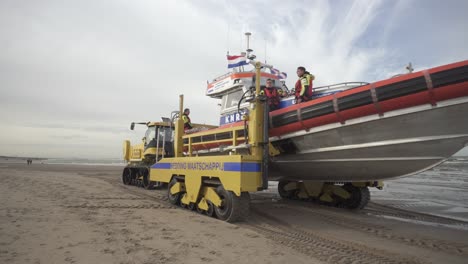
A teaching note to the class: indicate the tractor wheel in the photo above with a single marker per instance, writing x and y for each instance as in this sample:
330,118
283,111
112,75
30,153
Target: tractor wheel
233,208
126,176
147,183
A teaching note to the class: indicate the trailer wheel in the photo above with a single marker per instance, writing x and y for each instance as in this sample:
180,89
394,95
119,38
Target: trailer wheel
173,198
233,208
210,212
360,196
283,193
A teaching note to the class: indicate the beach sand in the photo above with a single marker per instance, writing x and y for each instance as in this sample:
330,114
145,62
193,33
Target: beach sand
83,214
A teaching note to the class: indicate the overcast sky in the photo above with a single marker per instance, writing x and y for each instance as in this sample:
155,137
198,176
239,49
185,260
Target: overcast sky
74,74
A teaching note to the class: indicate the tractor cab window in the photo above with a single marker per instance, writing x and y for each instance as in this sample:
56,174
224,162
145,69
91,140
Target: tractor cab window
165,133
150,134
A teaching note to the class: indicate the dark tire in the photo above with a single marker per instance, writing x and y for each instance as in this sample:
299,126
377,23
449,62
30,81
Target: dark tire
191,206
159,185
173,198
233,208
283,193
126,176
146,182
210,212
360,197
133,177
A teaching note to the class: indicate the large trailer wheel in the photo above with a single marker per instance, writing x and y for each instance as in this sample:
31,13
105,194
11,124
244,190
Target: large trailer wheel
360,197
233,208
283,193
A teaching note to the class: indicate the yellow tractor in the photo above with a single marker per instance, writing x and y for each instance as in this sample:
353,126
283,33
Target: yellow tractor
156,144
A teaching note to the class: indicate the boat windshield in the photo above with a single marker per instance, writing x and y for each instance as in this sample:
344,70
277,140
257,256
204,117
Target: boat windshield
231,100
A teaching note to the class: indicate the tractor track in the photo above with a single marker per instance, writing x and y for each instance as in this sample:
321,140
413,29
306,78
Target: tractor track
302,240
119,206
376,209
320,246
141,192
379,209
352,222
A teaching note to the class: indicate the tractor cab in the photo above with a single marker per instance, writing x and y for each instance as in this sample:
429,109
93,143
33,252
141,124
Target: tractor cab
156,144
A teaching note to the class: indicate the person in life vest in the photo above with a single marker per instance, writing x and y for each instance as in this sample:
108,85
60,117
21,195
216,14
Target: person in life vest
186,118
303,86
272,95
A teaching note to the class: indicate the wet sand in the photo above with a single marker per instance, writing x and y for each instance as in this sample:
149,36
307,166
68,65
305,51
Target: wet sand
83,214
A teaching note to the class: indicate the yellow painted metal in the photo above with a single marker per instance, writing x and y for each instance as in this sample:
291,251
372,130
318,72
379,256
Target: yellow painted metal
177,188
234,131
236,173
291,186
330,189
339,191
380,185
233,171
126,150
179,130
313,189
159,124
137,153
203,204
185,199
190,147
256,123
272,150
210,194
360,184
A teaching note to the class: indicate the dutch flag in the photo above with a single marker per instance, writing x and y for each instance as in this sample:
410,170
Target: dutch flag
236,61
280,75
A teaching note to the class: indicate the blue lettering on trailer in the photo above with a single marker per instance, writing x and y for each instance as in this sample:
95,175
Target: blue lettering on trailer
218,166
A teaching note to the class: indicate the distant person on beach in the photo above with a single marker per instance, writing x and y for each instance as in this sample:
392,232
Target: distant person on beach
186,118
303,87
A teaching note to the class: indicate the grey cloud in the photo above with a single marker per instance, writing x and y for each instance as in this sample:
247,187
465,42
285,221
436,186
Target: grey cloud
89,68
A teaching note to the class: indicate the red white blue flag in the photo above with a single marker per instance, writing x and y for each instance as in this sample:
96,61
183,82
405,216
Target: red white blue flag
236,61
280,75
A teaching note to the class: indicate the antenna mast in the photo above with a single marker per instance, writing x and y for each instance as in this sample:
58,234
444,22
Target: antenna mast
248,34
228,31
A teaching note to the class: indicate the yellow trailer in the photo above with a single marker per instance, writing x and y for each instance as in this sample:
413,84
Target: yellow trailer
219,185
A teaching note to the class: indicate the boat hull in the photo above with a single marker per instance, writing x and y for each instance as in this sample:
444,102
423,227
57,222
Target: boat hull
400,143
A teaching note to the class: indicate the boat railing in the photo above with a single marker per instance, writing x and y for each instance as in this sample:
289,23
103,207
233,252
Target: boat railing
344,86
221,77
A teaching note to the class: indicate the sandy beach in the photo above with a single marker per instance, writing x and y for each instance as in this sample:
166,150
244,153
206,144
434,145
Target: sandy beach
83,214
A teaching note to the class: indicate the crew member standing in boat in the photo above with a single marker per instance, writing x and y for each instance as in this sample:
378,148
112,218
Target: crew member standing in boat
272,95
303,86
186,118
